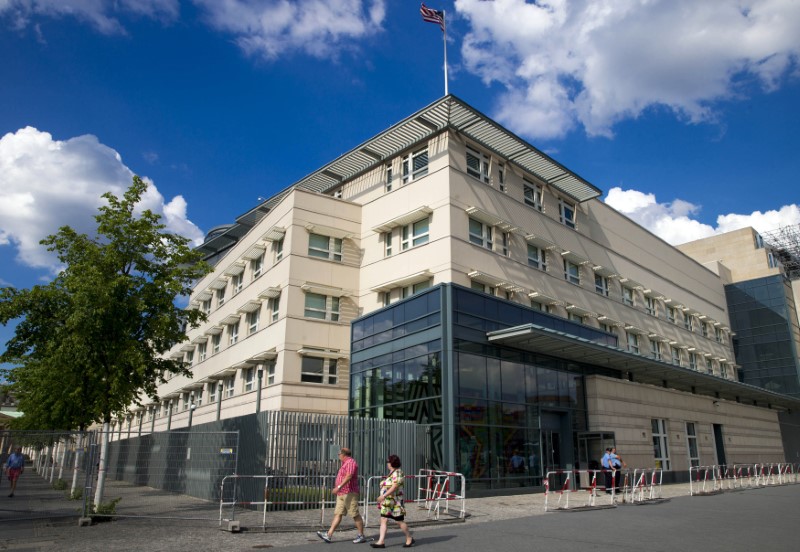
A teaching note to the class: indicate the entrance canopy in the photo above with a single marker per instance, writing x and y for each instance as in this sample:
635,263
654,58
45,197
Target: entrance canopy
642,369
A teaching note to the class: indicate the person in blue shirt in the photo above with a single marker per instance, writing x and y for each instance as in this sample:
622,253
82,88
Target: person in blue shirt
605,462
15,465
616,462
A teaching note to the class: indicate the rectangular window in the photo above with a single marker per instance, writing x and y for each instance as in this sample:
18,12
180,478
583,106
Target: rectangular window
415,234
185,401
212,392
270,373
237,282
190,357
691,442
718,335
198,396
709,366
601,285
650,305
576,317
387,243
220,297
501,177
324,247
606,327
693,361
660,450
772,261
277,249
540,306
688,323
216,341
676,356
318,370
253,319
257,266
633,343
201,351
229,383
533,194
480,233
205,306
655,349
322,307
627,296
477,165
233,333
415,165
249,379
671,314
566,212
723,370
704,329
537,257
572,272
506,243
480,286
388,182
408,291
274,307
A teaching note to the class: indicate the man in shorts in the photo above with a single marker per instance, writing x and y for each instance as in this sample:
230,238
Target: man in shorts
15,465
346,491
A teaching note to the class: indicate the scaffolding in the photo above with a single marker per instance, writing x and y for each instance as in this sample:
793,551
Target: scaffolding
785,245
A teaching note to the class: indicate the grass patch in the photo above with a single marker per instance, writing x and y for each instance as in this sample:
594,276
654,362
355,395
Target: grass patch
60,485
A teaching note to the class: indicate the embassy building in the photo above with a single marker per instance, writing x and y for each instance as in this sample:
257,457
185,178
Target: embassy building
447,272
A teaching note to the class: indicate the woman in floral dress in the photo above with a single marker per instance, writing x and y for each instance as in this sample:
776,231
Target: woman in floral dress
390,501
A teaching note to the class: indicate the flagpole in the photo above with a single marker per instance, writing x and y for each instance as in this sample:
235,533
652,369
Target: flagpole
444,35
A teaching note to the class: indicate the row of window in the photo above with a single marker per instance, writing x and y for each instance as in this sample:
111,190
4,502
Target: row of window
661,444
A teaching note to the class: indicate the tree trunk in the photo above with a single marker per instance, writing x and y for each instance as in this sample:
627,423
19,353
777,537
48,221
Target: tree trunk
76,466
101,470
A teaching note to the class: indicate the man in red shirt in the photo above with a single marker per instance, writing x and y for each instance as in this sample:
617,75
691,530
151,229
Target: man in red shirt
346,491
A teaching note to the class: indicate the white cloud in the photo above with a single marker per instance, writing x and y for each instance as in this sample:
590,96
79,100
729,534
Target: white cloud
675,222
270,28
47,183
101,14
596,62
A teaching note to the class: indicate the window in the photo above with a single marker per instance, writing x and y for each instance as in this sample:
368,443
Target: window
533,194
229,391
415,165
186,401
277,249
704,329
216,340
688,323
772,261
718,335
627,296
540,306
322,307
201,351
655,349
572,272
387,243
252,321
650,306
485,288
408,291
660,450
270,373
606,327
190,357
249,378
691,442
566,213
601,285
318,370
389,174
501,177
415,234
671,314
233,333
576,317
676,356
537,257
220,297
237,283
506,243
212,392
257,266
633,343
709,366
759,241
723,370
480,233
205,306
324,247
198,396
477,165
274,307
693,361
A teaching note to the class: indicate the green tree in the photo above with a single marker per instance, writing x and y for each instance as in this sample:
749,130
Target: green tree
89,343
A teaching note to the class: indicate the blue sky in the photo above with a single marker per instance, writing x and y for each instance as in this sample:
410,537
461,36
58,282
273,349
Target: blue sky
685,113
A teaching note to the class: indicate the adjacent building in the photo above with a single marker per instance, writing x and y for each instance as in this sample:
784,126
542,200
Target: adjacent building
447,272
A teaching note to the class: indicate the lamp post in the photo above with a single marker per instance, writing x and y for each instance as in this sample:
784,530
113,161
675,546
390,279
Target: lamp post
260,374
220,387
192,406
169,415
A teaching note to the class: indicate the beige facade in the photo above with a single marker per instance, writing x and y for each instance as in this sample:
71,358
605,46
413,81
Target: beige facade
446,208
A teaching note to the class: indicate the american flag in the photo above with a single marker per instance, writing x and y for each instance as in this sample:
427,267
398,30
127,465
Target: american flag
432,16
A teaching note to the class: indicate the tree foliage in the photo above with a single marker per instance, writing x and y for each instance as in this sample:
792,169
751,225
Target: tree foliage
89,343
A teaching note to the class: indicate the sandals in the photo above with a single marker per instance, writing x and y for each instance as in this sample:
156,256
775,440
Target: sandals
410,544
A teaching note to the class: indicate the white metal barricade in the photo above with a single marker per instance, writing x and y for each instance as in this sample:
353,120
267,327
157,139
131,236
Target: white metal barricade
646,485
566,482
433,489
705,480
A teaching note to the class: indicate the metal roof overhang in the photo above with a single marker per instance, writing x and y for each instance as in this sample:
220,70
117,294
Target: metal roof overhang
538,339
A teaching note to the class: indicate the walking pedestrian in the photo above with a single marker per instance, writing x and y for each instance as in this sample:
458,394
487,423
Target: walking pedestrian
15,465
390,502
347,492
